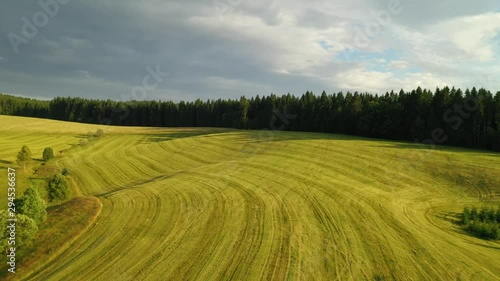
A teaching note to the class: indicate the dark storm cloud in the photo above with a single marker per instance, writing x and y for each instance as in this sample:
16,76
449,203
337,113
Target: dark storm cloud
101,49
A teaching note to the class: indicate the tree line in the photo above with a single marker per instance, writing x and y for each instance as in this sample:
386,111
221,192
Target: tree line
469,118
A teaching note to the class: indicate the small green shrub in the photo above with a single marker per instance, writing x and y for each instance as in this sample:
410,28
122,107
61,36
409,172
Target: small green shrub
48,154
65,171
58,188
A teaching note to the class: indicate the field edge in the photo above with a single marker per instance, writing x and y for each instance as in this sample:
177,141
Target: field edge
35,261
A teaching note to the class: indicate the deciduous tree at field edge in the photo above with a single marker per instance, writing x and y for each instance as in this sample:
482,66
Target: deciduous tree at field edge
25,230
32,205
24,157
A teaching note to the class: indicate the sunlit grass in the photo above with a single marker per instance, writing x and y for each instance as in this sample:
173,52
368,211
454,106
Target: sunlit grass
215,204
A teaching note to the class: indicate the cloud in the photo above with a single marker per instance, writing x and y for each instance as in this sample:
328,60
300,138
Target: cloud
101,49
468,38
363,80
84,73
461,49
398,64
283,47
474,35
238,85
119,51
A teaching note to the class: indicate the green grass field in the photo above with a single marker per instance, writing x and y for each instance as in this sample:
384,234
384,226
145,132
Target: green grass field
216,204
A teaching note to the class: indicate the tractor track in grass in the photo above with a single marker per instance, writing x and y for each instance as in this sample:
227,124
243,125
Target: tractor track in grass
230,206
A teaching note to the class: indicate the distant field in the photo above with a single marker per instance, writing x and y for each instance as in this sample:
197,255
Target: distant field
217,204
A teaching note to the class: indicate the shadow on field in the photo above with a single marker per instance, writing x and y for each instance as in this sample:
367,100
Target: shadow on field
82,136
377,143
452,217
278,135
445,148
487,246
133,185
455,218
6,163
153,138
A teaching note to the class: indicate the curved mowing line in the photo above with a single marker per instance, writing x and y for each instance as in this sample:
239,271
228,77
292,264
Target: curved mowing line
231,206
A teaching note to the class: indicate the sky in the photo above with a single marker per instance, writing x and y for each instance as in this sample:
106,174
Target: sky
185,50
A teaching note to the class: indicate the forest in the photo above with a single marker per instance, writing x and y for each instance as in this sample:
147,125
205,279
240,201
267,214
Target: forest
447,116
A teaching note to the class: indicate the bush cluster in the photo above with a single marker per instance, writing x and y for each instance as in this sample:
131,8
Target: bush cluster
482,223
91,137
31,207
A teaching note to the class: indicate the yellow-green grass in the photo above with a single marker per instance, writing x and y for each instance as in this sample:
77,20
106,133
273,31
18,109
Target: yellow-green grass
64,224
214,204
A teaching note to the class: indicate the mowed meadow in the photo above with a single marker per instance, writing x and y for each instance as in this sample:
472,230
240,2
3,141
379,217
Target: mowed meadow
220,204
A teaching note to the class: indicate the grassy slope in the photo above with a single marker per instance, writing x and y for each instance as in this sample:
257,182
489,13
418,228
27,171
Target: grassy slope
218,204
64,224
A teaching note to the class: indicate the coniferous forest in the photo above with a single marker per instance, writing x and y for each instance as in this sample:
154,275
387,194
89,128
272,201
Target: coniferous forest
469,118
